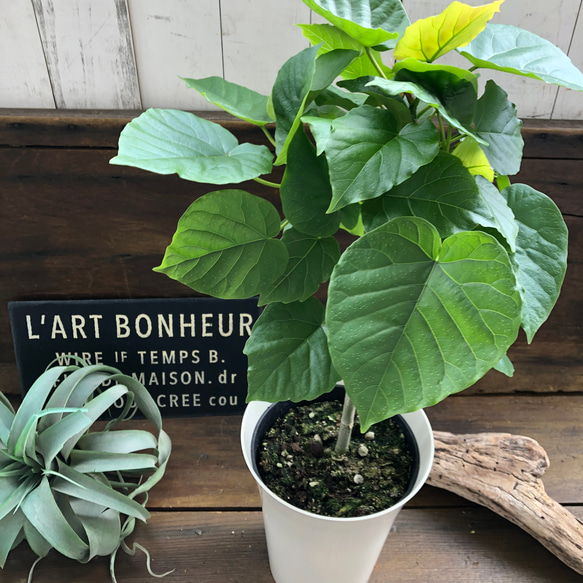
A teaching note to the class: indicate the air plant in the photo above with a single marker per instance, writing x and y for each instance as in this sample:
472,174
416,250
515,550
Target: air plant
67,487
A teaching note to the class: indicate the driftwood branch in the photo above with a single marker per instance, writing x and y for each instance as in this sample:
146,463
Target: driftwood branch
503,473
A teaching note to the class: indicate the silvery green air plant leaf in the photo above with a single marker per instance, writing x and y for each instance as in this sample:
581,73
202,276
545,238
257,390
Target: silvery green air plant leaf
412,320
66,487
167,141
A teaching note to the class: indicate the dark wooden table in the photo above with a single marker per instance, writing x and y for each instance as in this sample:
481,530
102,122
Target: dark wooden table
72,226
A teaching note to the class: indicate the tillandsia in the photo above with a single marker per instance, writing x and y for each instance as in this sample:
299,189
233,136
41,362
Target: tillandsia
409,155
67,486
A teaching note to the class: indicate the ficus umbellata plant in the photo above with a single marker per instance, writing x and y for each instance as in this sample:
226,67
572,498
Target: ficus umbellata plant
413,157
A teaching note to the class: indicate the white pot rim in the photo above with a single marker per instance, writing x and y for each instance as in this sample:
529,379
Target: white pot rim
422,474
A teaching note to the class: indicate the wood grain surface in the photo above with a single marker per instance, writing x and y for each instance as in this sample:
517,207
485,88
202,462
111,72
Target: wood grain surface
72,226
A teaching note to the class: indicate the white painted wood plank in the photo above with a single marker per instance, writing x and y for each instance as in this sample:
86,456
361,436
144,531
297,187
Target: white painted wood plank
88,49
554,21
171,39
258,37
569,103
24,78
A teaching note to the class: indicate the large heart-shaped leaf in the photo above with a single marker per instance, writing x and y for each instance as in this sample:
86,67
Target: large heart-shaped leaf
239,101
412,320
430,38
541,253
329,37
224,246
507,48
288,354
368,153
393,87
444,193
311,260
497,123
168,141
305,189
371,22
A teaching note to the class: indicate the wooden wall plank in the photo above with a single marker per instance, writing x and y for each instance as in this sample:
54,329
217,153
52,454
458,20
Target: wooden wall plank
187,44
89,53
258,36
569,104
534,99
24,78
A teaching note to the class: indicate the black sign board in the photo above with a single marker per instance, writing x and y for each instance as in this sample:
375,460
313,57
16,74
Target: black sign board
187,352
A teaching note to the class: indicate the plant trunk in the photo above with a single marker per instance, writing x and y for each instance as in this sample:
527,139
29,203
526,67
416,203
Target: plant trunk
346,424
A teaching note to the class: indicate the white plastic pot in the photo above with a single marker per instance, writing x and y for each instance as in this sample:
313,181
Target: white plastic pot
307,548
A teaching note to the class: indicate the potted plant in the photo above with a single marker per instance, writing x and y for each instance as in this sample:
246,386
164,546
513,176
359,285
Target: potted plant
67,487
410,156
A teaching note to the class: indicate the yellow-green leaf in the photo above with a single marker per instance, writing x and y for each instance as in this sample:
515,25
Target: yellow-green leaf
430,38
474,159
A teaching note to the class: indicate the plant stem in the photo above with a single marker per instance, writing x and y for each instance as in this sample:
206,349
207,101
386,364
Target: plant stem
441,128
283,225
346,424
269,136
267,183
375,62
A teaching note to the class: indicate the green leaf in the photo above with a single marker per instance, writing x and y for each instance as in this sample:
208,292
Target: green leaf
167,141
41,509
456,89
290,94
321,130
329,37
224,246
305,189
444,193
92,462
397,87
85,487
371,22
328,66
239,101
34,401
120,441
473,158
541,253
430,38
311,260
368,154
412,320
501,216
94,410
336,97
497,123
102,526
510,49
288,354
51,441
10,527
39,545
394,103
505,366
